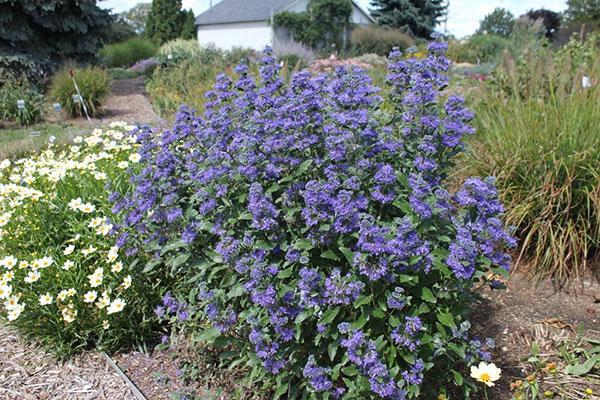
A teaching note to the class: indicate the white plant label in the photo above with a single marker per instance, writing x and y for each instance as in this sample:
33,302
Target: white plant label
586,82
21,104
76,98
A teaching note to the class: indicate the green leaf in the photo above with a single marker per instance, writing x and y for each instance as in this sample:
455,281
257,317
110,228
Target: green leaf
302,168
236,291
458,378
302,316
329,315
208,336
347,253
151,264
180,259
378,313
173,246
286,273
303,244
332,350
330,255
446,319
362,300
427,295
582,369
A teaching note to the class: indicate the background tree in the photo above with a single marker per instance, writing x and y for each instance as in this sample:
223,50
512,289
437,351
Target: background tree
120,30
583,11
418,17
188,25
54,29
550,20
137,16
499,22
45,33
164,21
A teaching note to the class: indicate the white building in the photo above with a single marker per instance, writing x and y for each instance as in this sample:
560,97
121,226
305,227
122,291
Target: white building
247,23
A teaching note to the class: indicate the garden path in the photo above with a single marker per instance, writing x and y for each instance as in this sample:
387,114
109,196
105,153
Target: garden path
126,102
27,372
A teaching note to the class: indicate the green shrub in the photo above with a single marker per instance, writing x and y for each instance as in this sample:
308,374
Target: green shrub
62,280
34,103
312,233
379,40
478,48
540,136
94,85
175,51
127,53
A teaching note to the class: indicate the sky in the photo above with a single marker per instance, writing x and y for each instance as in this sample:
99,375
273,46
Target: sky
463,17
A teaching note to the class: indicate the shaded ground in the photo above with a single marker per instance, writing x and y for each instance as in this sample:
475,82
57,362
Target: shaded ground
29,373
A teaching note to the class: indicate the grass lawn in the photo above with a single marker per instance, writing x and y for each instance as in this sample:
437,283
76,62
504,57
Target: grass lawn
17,142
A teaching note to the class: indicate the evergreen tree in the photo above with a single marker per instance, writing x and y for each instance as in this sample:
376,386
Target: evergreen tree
188,25
499,22
52,30
164,21
418,17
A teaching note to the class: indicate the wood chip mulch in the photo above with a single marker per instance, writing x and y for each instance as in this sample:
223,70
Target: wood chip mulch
27,372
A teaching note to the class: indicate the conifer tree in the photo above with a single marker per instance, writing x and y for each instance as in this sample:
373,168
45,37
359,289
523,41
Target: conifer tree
188,26
418,17
164,21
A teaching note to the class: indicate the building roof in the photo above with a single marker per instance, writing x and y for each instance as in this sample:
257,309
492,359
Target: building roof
229,11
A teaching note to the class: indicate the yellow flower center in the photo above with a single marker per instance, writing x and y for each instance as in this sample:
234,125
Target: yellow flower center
485,377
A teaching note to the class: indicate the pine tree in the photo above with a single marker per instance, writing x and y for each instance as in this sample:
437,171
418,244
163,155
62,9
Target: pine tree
54,30
164,21
188,25
418,17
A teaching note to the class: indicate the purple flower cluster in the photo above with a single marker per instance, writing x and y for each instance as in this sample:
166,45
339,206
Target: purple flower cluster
171,307
308,202
363,353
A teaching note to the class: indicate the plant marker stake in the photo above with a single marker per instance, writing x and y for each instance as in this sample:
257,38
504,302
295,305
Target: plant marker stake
79,95
136,392
586,82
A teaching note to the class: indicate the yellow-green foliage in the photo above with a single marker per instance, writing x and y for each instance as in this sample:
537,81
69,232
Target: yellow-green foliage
185,83
94,85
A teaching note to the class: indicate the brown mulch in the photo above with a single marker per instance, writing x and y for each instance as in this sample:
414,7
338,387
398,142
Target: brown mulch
27,372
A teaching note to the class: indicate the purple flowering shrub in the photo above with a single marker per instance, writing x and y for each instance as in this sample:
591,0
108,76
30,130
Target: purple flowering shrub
310,226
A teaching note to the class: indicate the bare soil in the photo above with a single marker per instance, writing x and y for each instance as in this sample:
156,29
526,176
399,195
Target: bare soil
526,312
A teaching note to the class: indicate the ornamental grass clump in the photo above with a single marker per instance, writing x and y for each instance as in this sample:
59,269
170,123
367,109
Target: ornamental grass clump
312,232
